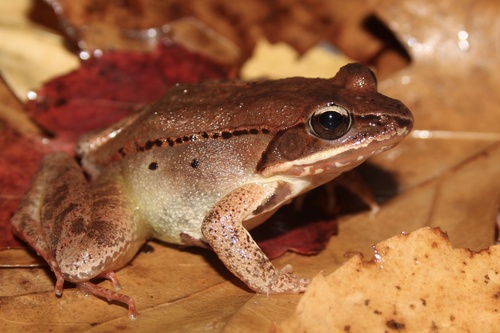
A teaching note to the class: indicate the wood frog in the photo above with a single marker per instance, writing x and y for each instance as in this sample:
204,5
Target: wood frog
201,166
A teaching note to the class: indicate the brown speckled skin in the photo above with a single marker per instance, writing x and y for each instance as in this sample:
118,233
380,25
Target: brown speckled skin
201,166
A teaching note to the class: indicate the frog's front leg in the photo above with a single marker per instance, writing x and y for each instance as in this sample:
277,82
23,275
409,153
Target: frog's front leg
83,231
236,248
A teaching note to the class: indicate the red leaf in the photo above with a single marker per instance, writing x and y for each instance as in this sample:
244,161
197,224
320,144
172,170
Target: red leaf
304,226
19,158
107,88
309,238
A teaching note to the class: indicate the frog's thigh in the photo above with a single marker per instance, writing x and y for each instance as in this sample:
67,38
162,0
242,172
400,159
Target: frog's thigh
58,193
79,231
234,245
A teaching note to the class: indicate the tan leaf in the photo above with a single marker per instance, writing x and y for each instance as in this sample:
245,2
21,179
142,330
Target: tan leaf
47,59
415,283
281,60
450,84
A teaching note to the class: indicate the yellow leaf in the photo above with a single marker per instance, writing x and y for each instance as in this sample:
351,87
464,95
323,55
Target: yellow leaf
415,283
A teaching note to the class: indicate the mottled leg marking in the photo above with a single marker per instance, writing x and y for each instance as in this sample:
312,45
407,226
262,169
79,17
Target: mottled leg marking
58,172
82,231
240,253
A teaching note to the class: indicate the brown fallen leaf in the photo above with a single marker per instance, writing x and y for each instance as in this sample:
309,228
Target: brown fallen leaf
415,283
451,84
228,31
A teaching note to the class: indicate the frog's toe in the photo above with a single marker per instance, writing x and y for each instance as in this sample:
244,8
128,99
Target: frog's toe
303,284
287,269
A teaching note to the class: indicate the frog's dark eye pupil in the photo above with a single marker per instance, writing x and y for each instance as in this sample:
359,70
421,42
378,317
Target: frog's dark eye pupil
330,122
330,119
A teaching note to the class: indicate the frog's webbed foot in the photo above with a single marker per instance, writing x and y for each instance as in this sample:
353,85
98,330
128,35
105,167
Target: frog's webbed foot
110,295
238,251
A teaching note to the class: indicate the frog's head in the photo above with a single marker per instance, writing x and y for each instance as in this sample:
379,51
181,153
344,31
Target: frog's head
345,121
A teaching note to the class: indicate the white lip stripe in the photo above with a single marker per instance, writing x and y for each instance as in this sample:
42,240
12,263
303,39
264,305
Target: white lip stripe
324,155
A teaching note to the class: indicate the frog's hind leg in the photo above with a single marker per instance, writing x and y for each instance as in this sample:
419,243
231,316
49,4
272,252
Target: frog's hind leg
57,174
83,231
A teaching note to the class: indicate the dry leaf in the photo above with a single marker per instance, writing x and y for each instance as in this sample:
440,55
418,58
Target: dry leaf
175,290
280,60
18,36
228,30
415,283
451,84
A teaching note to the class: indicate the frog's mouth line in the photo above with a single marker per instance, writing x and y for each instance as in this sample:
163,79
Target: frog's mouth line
315,164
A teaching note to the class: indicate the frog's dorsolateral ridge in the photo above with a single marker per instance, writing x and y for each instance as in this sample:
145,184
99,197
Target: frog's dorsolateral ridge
201,166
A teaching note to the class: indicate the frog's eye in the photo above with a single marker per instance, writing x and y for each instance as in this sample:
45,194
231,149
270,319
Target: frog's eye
330,122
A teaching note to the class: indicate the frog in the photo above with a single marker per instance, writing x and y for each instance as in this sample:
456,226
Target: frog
202,166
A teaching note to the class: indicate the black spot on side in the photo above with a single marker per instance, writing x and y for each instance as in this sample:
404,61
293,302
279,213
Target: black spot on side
240,132
173,141
195,163
153,166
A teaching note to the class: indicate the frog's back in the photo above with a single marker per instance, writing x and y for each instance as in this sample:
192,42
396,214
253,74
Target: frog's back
213,111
